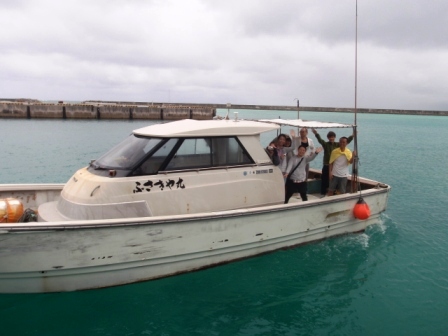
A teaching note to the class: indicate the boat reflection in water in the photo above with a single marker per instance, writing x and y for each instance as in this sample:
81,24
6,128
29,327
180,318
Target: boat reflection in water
169,199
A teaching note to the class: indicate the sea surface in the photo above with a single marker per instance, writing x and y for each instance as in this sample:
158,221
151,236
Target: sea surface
390,280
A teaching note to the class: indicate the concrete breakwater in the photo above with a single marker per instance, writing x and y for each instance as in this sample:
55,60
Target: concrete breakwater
315,109
375,111
103,111
29,109
325,109
306,109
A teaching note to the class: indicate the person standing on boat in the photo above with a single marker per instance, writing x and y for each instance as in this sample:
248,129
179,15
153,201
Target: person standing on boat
340,159
296,174
280,143
288,147
328,146
303,140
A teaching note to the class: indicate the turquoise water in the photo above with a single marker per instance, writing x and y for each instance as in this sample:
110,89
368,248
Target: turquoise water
390,280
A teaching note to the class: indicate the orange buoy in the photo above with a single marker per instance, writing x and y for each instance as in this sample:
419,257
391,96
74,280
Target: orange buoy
11,209
361,210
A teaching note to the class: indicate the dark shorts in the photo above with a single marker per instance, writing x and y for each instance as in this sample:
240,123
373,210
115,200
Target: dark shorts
338,183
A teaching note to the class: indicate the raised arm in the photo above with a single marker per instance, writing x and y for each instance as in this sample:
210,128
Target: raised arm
321,141
350,138
313,154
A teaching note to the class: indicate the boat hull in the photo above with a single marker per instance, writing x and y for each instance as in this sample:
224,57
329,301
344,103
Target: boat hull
79,255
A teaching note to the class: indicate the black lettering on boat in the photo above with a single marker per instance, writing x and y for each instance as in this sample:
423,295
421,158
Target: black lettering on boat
148,185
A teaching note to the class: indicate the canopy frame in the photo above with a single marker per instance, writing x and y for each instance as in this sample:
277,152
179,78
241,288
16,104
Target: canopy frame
305,123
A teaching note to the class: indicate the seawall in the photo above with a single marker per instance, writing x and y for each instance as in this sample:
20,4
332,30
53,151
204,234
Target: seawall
28,109
32,110
308,109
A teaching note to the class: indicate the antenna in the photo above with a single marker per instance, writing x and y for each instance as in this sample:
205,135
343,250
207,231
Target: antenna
228,111
356,62
361,209
355,186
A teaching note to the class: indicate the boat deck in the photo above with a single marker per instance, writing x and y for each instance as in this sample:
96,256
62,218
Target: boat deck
295,198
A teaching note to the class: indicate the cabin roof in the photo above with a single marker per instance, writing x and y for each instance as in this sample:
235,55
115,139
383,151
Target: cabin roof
192,128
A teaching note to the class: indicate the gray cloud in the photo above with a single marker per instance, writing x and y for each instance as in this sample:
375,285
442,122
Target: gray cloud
250,52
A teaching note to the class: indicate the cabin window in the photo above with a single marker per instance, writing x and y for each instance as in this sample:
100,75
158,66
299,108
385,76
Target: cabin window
192,153
208,152
153,163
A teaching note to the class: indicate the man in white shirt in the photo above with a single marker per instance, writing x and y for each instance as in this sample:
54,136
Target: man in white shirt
296,181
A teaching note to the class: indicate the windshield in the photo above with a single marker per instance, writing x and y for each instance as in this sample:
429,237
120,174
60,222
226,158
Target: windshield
127,154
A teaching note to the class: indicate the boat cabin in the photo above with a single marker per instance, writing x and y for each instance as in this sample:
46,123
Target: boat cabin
177,168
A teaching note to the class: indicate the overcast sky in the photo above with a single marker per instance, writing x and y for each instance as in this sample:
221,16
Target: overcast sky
227,51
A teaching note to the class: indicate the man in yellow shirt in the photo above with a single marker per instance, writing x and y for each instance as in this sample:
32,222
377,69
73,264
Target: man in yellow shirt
340,159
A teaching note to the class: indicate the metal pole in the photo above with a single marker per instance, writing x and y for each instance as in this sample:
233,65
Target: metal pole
355,184
355,181
356,63
298,109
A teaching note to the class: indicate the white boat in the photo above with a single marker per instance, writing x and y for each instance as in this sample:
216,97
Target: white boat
171,198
